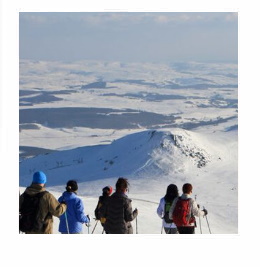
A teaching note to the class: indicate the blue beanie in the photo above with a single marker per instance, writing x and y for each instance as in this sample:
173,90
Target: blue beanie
39,178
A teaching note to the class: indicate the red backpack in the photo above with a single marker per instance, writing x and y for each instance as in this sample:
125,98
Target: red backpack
181,214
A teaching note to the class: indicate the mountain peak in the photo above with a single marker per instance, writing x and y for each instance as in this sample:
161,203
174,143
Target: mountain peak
146,153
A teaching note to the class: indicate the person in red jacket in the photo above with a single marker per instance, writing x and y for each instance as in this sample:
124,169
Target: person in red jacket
187,227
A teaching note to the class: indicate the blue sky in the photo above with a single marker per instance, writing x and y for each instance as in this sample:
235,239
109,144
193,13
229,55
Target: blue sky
129,36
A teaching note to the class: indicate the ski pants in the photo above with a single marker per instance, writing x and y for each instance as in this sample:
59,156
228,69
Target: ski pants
186,230
170,230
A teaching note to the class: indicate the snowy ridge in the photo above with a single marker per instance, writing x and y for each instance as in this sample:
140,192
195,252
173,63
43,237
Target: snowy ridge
144,153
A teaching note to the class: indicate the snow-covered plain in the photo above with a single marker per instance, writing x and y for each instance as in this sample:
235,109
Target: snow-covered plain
155,124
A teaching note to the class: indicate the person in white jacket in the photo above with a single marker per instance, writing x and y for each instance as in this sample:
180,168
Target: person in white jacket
193,211
163,210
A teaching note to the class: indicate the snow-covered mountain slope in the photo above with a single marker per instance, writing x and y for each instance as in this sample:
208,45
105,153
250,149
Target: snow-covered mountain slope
153,123
140,154
151,160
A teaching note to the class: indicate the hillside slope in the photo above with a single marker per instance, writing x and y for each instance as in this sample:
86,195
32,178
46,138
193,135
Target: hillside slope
138,154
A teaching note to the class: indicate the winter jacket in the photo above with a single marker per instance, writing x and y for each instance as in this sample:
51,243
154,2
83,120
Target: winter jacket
48,207
75,214
118,213
194,210
101,201
160,212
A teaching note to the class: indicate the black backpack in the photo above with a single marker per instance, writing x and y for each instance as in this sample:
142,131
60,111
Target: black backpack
167,207
99,205
28,213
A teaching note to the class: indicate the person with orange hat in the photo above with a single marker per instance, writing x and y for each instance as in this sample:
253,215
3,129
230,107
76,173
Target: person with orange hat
106,192
118,210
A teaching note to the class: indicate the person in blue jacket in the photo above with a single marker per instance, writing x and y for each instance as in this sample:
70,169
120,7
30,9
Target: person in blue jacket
71,221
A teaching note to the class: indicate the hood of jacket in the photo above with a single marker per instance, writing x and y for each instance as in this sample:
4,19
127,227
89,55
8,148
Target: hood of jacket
120,195
34,189
185,196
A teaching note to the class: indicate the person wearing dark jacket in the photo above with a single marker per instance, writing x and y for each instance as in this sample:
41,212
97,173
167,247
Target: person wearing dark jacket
107,191
48,205
118,210
72,220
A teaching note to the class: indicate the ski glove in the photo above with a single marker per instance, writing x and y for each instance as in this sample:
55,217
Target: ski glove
205,212
135,211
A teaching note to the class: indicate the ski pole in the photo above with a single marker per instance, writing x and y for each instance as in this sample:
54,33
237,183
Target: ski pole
88,224
94,227
136,225
200,225
207,221
162,227
67,225
136,230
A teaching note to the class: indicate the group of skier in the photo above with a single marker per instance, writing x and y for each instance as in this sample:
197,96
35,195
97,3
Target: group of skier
37,207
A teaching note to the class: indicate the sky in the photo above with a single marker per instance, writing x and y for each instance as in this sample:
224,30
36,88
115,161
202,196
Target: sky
129,36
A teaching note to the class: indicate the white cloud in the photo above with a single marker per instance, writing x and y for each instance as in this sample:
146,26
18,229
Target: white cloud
102,18
232,16
34,18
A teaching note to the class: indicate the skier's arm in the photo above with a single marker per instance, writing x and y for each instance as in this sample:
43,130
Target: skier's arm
96,210
160,209
81,217
129,214
55,208
103,210
195,210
